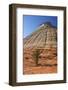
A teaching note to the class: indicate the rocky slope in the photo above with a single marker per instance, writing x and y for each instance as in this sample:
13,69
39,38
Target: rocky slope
43,39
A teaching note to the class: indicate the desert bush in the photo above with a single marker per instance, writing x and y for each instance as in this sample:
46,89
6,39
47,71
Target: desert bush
35,56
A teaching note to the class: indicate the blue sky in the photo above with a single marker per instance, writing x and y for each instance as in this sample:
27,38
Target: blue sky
31,22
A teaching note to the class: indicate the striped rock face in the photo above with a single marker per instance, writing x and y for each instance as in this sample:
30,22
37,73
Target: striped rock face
43,41
45,36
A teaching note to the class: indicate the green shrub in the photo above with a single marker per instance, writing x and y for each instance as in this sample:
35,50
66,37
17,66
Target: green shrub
36,55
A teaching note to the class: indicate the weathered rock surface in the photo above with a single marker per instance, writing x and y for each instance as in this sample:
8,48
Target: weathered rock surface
44,37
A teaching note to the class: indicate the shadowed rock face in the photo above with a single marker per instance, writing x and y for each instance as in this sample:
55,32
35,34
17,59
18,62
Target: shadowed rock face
45,36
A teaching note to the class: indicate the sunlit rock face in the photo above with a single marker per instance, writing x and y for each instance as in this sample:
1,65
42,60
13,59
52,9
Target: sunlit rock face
44,41
45,36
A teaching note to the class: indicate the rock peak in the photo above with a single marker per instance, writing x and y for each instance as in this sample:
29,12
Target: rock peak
45,36
46,25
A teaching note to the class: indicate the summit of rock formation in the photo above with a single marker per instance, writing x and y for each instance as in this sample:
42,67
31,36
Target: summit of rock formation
45,36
